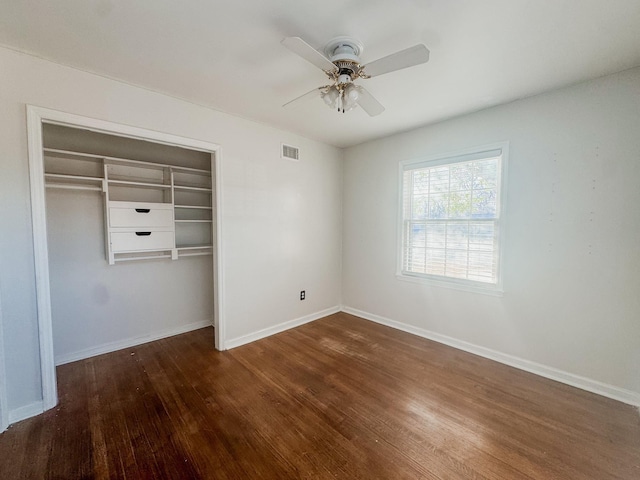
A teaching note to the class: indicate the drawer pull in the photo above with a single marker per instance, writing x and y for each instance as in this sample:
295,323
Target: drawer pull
143,234
143,210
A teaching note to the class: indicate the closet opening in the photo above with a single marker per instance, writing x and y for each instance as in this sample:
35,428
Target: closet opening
131,238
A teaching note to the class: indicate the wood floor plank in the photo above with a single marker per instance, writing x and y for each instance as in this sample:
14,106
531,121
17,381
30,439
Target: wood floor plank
340,397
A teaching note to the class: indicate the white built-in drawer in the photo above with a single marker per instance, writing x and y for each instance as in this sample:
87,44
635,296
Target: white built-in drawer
133,214
141,240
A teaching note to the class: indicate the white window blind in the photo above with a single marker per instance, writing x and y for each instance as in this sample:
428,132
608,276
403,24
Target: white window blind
451,218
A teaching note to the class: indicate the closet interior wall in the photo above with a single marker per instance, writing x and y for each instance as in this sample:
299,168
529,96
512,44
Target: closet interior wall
97,306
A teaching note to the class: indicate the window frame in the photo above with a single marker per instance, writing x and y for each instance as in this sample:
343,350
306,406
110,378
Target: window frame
459,156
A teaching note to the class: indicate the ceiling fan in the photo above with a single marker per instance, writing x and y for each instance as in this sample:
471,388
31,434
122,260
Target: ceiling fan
341,63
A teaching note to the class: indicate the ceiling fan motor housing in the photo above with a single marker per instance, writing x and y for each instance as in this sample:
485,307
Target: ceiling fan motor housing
344,49
344,52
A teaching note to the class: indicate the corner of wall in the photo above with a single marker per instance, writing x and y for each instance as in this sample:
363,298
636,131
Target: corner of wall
343,158
267,332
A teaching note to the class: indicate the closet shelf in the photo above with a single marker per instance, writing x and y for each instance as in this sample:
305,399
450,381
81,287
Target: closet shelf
54,152
138,184
72,182
124,161
140,203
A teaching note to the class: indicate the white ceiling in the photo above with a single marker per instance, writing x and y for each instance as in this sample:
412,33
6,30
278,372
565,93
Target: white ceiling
227,55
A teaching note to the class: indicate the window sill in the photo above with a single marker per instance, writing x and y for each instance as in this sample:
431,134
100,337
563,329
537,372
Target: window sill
465,287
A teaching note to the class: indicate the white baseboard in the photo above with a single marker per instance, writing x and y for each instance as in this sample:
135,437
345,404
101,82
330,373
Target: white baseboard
26,411
4,420
4,413
593,386
281,327
129,342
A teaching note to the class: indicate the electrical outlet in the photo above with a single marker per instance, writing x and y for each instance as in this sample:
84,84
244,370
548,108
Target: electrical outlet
302,294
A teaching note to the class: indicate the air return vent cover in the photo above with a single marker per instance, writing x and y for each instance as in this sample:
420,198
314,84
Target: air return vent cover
290,152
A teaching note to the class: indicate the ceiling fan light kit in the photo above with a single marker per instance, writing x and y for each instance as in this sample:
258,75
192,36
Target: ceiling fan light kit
343,96
342,65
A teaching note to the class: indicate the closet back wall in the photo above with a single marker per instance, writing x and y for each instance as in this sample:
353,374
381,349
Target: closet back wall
97,307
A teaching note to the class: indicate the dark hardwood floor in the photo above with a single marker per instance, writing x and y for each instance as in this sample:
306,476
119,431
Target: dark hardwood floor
337,398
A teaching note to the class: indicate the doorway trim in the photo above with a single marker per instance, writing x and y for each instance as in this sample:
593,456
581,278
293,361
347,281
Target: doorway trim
36,116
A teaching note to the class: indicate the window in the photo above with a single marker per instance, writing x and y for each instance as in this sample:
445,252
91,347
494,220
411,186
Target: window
450,218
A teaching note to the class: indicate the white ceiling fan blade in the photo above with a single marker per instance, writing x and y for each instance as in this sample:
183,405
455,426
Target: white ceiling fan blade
368,103
307,96
397,61
310,54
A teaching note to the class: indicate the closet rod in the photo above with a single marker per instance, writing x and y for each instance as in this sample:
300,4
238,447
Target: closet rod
73,187
194,254
195,247
150,257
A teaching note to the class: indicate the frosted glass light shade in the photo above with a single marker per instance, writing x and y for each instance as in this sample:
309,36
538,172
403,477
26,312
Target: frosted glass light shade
330,96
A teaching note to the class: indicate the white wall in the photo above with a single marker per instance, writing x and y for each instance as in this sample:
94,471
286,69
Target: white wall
281,219
572,254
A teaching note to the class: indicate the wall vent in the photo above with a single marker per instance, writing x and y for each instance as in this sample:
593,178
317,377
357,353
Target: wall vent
290,152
